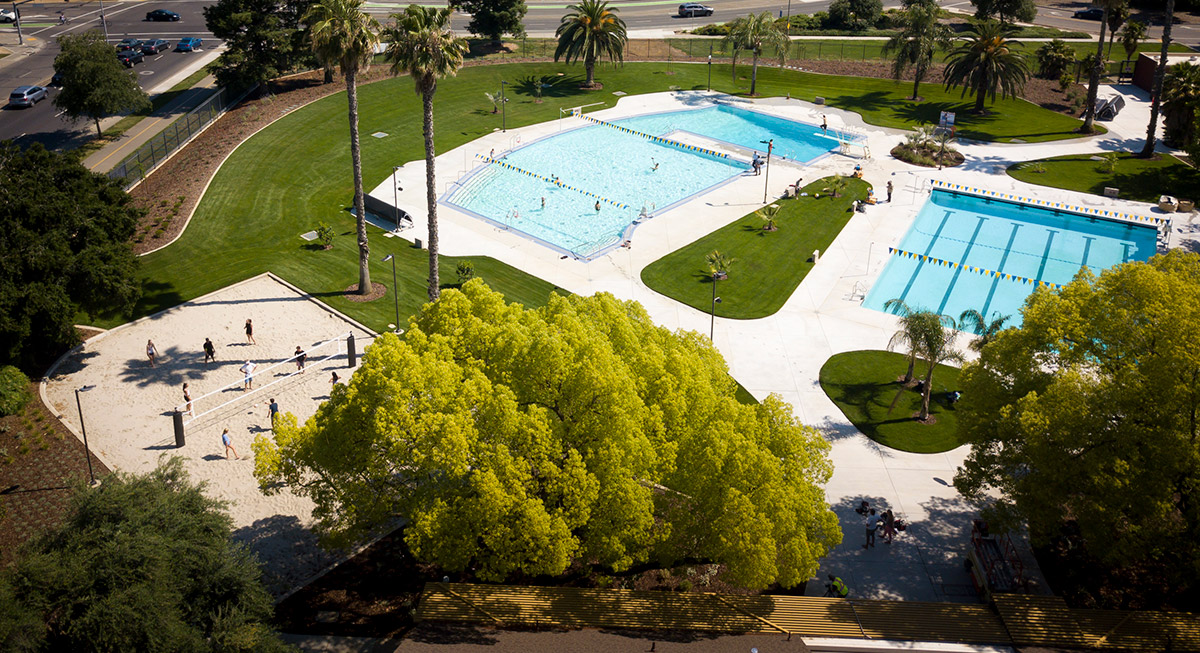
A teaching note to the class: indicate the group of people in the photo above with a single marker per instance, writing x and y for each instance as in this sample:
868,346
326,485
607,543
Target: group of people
874,521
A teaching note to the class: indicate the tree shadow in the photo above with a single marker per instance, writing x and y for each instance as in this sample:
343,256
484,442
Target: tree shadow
452,634
867,102
553,86
287,551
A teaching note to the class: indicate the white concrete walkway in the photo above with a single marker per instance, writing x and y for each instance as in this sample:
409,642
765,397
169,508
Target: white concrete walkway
783,353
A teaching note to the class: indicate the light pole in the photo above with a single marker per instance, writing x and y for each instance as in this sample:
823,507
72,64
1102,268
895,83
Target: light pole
503,108
17,21
395,291
708,86
396,197
712,312
767,176
103,23
789,18
87,452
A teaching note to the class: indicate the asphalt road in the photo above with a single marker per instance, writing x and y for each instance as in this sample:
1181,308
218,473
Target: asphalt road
33,64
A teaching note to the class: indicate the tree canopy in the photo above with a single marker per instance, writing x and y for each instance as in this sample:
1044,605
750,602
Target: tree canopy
1088,415
591,31
520,441
855,15
263,39
494,18
1007,11
95,84
143,563
64,247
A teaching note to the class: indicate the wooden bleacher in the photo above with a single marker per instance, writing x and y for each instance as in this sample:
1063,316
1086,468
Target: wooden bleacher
1018,620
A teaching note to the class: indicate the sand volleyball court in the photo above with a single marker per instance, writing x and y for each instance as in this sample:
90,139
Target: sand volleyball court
128,409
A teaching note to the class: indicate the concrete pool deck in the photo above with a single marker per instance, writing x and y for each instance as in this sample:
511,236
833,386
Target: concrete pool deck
783,353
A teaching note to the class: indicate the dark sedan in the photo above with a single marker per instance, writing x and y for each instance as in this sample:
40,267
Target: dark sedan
1095,13
154,46
162,14
130,57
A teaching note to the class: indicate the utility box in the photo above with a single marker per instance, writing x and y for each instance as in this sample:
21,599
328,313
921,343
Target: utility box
1111,192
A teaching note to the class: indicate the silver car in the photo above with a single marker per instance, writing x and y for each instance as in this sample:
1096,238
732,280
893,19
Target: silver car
26,96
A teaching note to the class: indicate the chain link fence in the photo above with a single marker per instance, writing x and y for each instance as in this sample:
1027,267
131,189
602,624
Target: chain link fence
136,166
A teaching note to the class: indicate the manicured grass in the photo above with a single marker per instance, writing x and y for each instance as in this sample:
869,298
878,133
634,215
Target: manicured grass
768,266
296,173
863,384
1143,180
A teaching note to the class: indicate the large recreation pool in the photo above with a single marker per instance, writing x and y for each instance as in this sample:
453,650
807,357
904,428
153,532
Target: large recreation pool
633,169
969,252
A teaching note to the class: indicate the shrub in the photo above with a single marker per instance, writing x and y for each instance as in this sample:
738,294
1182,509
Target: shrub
14,390
712,30
325,235
1109,164
1054,59
465,271
1065,81
855,15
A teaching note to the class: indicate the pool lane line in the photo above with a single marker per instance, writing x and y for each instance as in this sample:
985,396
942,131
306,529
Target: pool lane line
1082,210
974,268
980,221
509,166
987,303
656,139
912,279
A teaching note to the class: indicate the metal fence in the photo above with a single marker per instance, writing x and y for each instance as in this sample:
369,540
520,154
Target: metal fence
136,166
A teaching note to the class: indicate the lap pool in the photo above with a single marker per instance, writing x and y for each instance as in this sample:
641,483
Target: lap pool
549,190
965,251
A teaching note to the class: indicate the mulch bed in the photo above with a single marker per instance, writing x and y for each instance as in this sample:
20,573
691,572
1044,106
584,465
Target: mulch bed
377,290
40,463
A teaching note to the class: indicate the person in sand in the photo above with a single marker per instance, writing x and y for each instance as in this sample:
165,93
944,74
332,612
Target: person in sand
247,370
300,357
227,440
250,332
151,351
210,351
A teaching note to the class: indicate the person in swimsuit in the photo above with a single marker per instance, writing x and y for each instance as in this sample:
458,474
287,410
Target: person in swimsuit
227,440
151,351
334,380
250,332
187,398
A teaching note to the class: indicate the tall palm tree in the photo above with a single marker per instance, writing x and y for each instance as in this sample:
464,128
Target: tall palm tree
973,320
1180,101
1132,37
1089,112
935,342
907,335
345,36
420,43
987,61
756,33
591,31
918,42
1159,74
1117,16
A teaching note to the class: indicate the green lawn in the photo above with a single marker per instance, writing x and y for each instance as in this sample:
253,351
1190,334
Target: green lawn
1138,179
768,266
863,384
296,173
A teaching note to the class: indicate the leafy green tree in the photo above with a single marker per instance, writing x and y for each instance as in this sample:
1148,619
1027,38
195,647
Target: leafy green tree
421,44
263,39
1097,67
855,15
1055,58
986,62
494,18
919,39
143,563
985,331
1159,75
1132,37
591,31
343,34
95,84
64,234
522,441
1180,101
754,34
1007,11
1089,414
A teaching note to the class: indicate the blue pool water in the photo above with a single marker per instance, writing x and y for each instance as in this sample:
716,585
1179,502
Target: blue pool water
618,170
1006,237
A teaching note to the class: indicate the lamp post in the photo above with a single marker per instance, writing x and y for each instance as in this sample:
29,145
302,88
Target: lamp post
395,291
103,23
87,452
767,176
17,22
789,18
712,312
396,197
503,108
708,86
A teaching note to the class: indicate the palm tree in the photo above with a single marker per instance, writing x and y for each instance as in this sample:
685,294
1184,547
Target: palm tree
1116,18
769,215
718,264
918,42
421,44
985,331
1159,74
987,61
1180,101
591,31
1132,37
935,342
908,334
1089,112
345,36
755,33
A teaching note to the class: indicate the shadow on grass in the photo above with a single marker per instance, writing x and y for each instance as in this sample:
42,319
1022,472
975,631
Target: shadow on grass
552,86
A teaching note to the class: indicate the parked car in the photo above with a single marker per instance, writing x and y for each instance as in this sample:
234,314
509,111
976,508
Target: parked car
1093,13
8,16
130,57
690,9
26,96
162,14
57,79
129,44
189,44
154,46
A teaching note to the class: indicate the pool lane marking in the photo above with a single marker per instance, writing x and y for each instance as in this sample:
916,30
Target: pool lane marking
987,303
509,166
1046,252
973,268
945,185
923,257
981,220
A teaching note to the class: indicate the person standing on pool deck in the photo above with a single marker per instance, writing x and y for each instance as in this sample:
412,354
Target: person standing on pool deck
889,190
210,352
248,371
227,440
151,351
250,332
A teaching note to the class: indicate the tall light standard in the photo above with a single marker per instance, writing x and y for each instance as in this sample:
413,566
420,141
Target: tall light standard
712,312
503,108
767,176
17,21
396,196
708,86
789,18
87,451
395,292
103,23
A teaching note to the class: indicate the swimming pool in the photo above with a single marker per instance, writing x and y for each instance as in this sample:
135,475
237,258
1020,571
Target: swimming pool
623,173
967,252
